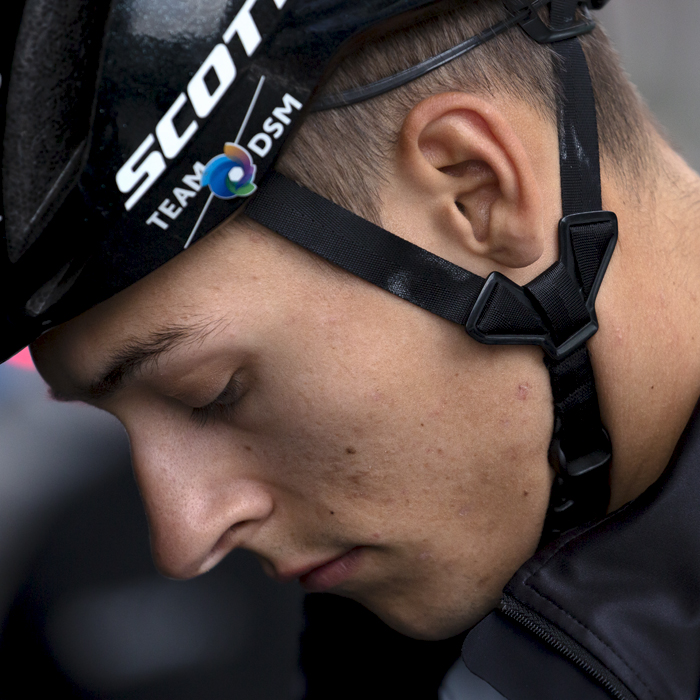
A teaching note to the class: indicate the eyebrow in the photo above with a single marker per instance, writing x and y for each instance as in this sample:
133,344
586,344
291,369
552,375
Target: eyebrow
136,354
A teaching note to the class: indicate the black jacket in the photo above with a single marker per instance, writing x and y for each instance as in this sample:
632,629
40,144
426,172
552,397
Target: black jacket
610,610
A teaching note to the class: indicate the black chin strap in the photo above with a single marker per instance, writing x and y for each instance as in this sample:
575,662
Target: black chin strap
555,311
580,451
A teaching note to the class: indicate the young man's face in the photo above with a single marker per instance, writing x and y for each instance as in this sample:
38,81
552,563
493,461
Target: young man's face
352,431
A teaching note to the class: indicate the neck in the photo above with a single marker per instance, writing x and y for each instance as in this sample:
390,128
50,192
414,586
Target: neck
645,355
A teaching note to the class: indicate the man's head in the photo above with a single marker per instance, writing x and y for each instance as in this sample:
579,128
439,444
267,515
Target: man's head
277,403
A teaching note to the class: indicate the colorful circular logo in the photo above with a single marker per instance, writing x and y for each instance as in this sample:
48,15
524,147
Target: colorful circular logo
231,174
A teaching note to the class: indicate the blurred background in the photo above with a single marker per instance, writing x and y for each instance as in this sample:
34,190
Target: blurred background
83,614
658,42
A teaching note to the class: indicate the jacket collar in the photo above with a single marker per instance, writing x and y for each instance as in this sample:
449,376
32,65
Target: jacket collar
626,589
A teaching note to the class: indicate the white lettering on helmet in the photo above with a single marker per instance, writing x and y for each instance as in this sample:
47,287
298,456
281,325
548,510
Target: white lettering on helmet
170,141
151,168
203,101
281,112
194,180
244,25
169,209
154,218
182,194
270,126
261,143
219,61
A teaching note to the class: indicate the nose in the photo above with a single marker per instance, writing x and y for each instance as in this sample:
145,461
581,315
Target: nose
200,493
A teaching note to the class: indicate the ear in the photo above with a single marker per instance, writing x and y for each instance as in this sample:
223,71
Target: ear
467,182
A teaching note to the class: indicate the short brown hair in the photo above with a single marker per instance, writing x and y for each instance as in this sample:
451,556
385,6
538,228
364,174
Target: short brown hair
340,153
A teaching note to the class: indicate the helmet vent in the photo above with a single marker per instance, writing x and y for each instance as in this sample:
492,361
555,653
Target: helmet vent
49,109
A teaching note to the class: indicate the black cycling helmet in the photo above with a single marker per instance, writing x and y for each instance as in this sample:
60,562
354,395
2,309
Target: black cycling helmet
133,127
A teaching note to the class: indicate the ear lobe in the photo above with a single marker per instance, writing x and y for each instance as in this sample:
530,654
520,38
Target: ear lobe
476,178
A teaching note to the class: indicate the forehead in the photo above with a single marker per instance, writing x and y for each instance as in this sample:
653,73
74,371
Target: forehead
237,273
186,292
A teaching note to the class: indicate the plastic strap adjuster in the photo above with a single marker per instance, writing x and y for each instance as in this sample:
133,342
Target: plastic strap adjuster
544,34
530,307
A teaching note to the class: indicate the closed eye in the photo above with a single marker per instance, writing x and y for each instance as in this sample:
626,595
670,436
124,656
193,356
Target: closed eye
222,407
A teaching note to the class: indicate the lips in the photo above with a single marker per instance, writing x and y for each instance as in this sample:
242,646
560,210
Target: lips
329,574
333,573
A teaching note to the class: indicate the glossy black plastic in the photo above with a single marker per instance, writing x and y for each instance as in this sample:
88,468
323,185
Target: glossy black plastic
568,259
581,490
544,34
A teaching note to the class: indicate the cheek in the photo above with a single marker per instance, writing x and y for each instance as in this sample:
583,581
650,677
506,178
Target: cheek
469,514
510,430
395,450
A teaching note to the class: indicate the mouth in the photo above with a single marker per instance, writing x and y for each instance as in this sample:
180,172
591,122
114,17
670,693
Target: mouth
322,577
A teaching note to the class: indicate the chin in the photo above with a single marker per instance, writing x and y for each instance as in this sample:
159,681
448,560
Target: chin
426,621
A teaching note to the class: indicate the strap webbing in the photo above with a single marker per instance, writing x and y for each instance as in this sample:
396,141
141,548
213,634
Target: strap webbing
578,148
365,249
578,431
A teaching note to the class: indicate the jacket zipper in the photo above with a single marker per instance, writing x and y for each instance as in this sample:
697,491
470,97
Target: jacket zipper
551,635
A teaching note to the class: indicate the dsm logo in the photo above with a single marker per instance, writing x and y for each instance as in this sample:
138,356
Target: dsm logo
231,174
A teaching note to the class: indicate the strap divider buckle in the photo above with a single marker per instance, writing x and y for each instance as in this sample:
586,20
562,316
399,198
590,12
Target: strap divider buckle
543,33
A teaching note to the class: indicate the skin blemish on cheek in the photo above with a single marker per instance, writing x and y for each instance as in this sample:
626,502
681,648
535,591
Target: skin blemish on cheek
463,511
350,450
332,512
248,447
523,392
526,493
423,556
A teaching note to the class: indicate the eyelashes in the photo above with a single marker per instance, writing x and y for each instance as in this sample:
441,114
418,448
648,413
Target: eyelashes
222,408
